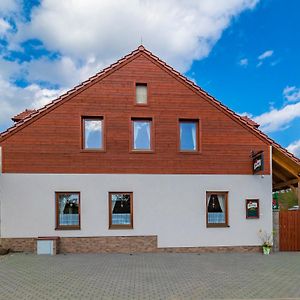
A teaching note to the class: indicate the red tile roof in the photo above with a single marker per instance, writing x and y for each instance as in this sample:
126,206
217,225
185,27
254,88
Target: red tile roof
105,72
22,115
250,121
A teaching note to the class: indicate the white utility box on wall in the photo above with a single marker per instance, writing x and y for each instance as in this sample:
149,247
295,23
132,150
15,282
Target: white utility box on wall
47,245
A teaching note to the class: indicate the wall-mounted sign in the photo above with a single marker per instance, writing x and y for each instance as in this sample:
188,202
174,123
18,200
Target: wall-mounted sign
258,162
252,208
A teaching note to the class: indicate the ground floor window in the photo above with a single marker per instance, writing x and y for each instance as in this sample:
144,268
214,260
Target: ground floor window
217,209
120,210
67,210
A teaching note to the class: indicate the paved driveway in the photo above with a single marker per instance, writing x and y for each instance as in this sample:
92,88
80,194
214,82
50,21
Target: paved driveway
150,276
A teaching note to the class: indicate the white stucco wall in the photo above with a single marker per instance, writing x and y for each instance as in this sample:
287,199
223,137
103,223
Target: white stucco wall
169,206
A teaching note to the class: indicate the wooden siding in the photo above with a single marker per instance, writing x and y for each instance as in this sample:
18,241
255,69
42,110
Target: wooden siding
53,143
289,222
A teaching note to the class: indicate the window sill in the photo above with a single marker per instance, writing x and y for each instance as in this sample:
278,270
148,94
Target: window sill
68,228
92,150
142,105
142,151
217,226
189,152
120,227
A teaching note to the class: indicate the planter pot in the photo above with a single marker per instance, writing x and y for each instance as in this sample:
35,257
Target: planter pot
266,250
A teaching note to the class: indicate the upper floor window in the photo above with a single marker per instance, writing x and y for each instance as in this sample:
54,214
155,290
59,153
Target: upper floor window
141,93
67,210
93,133
142,134
188,135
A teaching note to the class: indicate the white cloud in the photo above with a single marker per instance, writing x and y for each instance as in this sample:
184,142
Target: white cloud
178,31
278,119
294,148
291,93
263,56
63,71
244,62
266,54
91,34
8,6
4,26
15,99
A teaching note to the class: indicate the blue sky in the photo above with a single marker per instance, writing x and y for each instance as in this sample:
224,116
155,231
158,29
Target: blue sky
243,52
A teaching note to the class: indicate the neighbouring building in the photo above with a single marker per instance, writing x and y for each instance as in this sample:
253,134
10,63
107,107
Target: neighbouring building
139,159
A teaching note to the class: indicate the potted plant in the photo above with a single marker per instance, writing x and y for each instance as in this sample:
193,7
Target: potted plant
267,241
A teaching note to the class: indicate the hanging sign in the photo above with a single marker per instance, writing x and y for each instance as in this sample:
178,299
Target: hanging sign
258,162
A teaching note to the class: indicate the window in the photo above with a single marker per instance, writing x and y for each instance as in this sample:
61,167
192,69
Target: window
141,129
67,210
93,133
141,93
120,210
217,209
188,135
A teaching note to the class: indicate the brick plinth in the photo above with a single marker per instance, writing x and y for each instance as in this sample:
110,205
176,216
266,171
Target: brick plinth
19,244
117,244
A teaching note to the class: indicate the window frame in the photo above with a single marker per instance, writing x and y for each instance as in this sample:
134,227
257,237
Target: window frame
198,135
66,227
93,118
217,225
136,83
152,135
120,226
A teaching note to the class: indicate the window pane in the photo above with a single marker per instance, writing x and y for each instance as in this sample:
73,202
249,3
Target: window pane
93,134
188,136
216,209
68,213
141,93
141,135
120,207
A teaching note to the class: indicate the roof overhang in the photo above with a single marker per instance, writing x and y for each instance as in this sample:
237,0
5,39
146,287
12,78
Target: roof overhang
285,172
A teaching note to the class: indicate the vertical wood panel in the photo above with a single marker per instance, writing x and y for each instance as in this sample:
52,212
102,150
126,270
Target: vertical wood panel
289,230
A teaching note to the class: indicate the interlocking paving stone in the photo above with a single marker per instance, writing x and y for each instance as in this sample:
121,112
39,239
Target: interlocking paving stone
151,276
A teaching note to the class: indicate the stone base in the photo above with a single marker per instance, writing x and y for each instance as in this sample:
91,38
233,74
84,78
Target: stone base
19,244
116,244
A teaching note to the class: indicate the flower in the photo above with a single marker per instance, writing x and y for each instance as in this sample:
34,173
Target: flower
266,238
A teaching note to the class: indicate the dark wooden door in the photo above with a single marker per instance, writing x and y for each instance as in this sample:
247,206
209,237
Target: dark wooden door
289,233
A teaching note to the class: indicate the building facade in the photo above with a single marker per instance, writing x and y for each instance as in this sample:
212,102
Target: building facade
135,159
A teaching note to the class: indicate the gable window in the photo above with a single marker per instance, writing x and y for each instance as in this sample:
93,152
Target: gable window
217,209
67,210
120,210
141,92
141,134
93,133
188,135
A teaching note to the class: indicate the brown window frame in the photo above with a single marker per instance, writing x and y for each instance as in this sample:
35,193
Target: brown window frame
135,98
152,143
98,118
66,227
120,226
198,138
217,225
